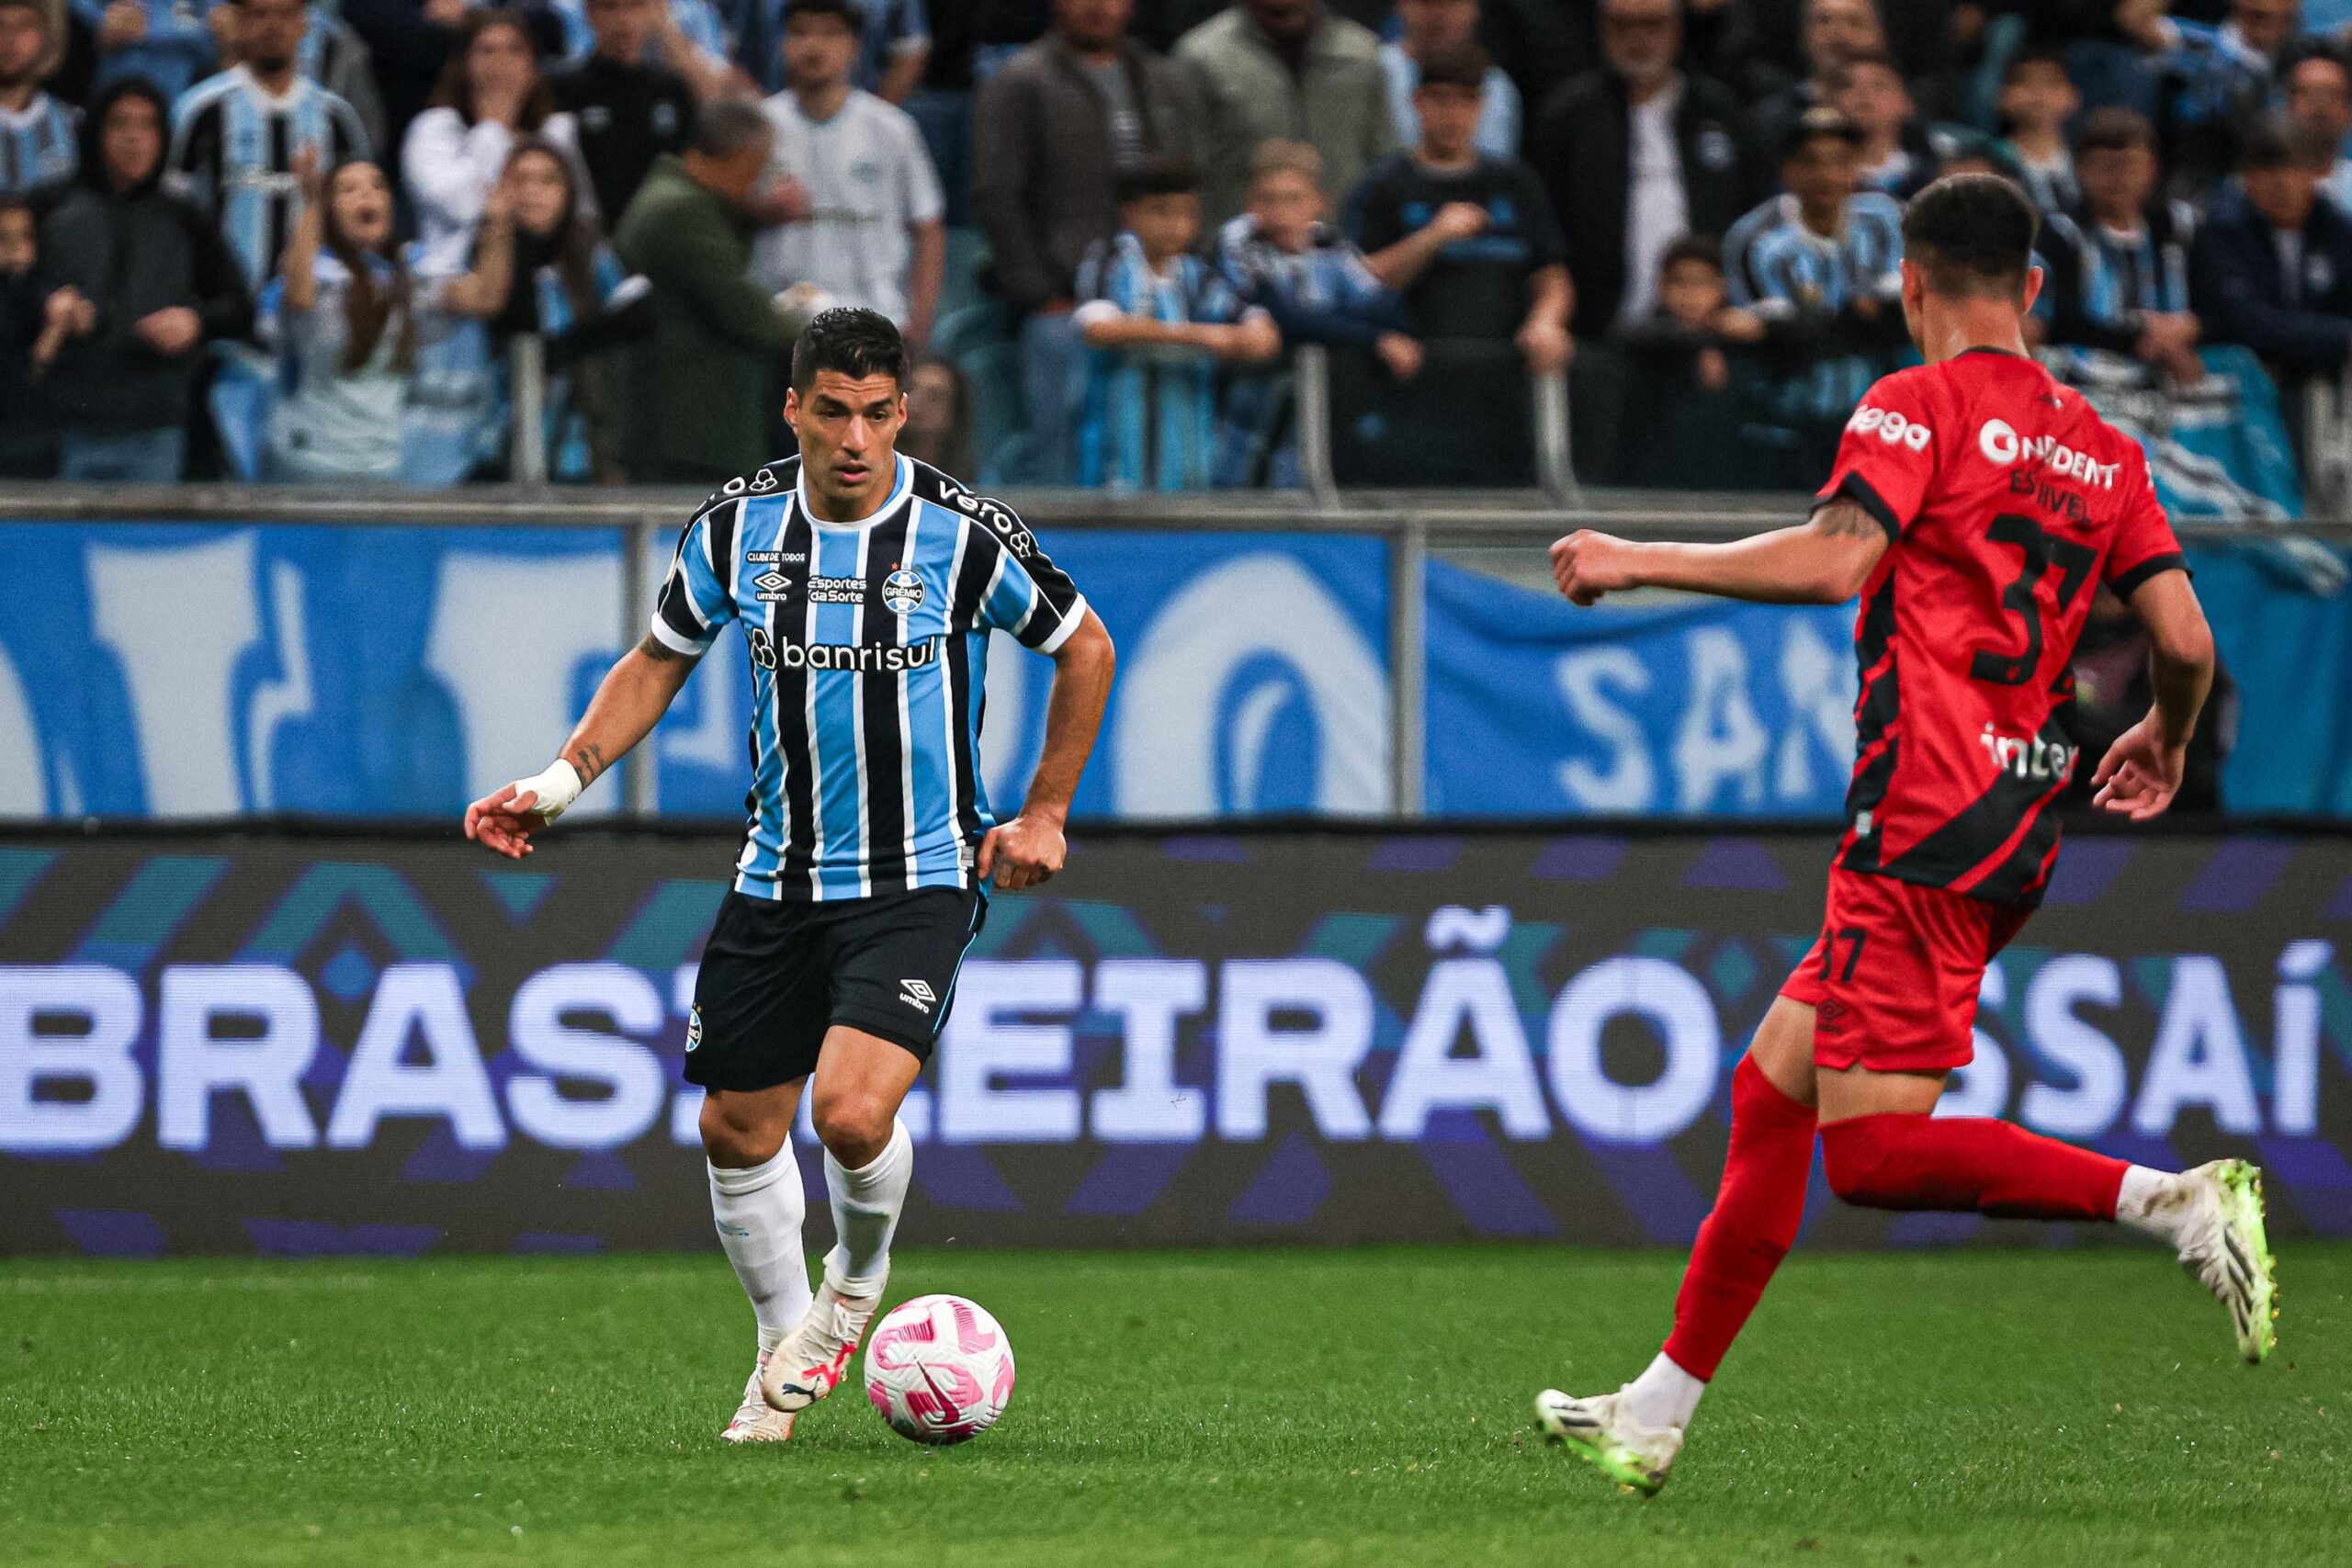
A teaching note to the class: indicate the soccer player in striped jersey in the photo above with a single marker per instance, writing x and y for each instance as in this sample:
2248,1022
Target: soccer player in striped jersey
38,136
867,585
236,136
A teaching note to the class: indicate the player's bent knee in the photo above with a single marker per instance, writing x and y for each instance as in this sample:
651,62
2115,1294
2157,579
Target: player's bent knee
854,1128
1860,1158
735,1140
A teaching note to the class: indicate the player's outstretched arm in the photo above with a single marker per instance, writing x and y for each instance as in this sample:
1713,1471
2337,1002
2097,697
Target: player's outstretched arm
636,693
2141,772
1824,562
1027,850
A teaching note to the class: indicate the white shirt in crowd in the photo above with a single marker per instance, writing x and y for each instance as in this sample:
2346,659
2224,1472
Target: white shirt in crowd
1658,210
870,181
450,167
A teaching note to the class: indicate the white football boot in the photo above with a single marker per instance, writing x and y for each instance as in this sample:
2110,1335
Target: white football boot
757,1421
1601,1429
2225,1248
815,1356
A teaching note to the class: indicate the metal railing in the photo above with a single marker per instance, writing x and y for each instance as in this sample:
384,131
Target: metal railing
1502,530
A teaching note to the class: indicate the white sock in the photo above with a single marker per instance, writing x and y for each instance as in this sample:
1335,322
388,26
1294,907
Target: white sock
1664,1395
2150,1203
866,1210
758,1211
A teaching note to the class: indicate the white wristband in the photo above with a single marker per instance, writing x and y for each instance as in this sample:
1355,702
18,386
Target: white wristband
556,788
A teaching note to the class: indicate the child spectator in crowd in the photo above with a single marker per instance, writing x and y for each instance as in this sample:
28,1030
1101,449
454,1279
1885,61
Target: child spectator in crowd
2117,263
2038,99
161,284
238,137
1821,266
1871,92
1428,26
1279,257
1157,322
1471,244
490,93
40,137
854,207
569,287
34,324
346,314
939,418
1684,419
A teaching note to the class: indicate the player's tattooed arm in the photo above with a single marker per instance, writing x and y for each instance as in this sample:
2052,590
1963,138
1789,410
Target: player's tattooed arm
1844,518
660,652
587,759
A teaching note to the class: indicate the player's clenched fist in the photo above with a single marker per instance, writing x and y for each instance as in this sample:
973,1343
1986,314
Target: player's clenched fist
1021,852
1586,564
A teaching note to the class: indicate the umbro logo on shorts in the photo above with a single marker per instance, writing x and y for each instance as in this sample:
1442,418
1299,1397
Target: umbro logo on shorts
917,995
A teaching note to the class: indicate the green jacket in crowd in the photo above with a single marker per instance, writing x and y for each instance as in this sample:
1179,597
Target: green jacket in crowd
705,377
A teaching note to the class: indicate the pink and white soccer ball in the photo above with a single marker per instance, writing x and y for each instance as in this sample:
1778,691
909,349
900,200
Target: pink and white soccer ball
939,1369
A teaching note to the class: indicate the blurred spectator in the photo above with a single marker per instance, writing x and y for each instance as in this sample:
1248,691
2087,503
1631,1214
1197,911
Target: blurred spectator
1684,416
894,44
38,136
2112,693
569,287
2319,100
2272,266
1052,132
939,417
162,282
1430,26
1637,154
330,53
703,392
1869,91
167,42
1468,240
410,43
1279,257
2038,99
627,113
1264,68
1833,31
457,149
853,207
236,137
1157,322
689,37
344,316
2118,264
35,322
1821,266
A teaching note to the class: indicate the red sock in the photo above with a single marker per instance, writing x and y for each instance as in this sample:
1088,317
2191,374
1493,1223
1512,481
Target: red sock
1758,1210
1966,1163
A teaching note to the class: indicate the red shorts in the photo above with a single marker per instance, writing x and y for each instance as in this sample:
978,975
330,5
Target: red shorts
1893,979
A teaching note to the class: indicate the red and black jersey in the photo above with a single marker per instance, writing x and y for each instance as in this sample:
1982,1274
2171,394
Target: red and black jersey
2006,501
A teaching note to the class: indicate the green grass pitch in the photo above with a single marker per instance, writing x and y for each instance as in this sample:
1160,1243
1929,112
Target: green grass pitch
1216,1407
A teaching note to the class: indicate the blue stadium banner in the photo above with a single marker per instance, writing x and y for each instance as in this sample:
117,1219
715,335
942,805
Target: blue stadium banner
184,670
366,1044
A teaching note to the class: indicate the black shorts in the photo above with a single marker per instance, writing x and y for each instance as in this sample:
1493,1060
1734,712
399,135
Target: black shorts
777,973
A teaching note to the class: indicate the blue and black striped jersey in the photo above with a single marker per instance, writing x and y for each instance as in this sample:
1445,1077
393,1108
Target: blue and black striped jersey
234,145
868,644
40,144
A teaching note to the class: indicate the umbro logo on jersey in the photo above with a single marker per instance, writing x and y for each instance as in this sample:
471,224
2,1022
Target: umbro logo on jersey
918,995
772,586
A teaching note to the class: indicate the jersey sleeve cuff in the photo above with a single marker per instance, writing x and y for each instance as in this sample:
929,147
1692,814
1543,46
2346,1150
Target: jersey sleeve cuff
1859,490
1075,616
667,635
2125,585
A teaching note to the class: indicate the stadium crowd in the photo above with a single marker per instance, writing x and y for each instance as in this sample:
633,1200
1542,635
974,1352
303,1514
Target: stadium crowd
296,239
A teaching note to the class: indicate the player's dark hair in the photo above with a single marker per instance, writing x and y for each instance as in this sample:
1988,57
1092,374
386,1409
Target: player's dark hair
2115,128
1157,177
2272,142
853,341
850,12
1463,65
1973,234
1704,248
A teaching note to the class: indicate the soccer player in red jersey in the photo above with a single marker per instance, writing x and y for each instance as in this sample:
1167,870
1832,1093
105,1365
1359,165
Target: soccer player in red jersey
1975,506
